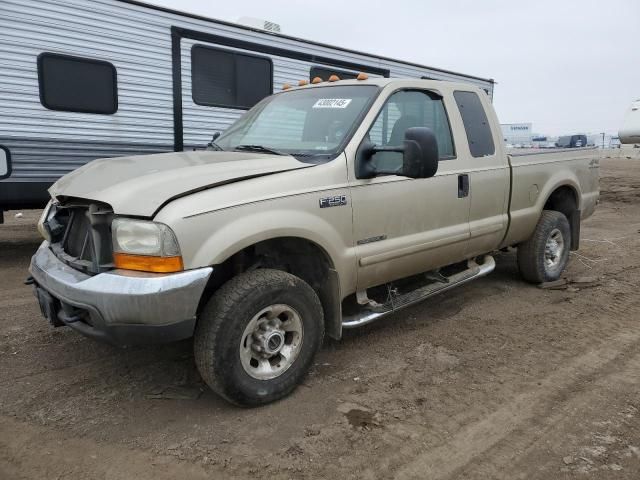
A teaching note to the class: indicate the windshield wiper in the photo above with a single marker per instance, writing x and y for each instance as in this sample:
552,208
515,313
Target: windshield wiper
258,148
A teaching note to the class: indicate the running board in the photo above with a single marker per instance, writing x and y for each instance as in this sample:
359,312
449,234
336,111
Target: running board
473,271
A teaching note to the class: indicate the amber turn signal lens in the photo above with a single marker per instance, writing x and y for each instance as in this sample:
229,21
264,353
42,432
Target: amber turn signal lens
316,80
362,76
334,78
144,263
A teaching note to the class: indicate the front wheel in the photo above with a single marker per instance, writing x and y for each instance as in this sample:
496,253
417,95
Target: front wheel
257,336
544,256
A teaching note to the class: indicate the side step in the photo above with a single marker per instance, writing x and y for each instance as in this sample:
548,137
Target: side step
367,315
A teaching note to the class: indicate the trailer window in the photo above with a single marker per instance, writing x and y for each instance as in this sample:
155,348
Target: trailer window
324,73
476,124
222,78
75,84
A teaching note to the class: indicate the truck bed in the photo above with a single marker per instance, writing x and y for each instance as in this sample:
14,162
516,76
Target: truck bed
536,174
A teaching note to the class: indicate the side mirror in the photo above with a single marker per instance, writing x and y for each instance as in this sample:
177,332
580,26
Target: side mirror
5,162
419,155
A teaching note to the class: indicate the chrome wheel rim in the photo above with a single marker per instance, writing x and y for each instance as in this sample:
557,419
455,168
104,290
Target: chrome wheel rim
553,249
271,342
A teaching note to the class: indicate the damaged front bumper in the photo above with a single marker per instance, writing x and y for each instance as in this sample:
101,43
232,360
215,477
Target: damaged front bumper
121,307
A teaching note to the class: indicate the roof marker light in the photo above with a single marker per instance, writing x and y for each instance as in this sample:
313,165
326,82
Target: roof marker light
334,78
316,80
286,86
362,76
302,83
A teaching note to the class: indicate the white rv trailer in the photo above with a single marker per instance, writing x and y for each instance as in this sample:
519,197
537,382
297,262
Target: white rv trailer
630,131
83,79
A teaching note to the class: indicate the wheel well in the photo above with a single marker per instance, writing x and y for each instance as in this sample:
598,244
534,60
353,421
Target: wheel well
298,256
565,200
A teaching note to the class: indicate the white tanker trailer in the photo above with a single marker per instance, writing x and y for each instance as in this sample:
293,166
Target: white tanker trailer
630,130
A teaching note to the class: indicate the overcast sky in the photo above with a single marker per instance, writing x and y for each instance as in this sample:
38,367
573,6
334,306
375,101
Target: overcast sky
565,66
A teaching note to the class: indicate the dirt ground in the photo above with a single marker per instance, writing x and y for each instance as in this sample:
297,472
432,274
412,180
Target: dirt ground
497,379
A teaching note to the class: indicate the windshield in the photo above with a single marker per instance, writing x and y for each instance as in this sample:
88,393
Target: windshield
310,122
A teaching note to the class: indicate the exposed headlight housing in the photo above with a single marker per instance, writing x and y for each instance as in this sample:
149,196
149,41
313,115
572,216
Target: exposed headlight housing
144,245
47,214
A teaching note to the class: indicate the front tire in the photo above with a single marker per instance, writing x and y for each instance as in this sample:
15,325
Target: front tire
257,336
545,255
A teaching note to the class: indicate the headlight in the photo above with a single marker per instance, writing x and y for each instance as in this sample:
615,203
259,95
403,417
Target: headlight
144,245
47,213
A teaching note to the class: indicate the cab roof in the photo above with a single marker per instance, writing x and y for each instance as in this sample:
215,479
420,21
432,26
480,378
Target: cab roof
383,82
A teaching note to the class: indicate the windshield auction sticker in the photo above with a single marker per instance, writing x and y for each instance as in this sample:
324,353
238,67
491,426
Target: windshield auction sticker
332,103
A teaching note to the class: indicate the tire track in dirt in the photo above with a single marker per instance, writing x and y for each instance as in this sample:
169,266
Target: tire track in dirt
560,414
476,439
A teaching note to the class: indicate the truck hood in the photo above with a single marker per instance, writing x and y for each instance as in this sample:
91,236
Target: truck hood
140,185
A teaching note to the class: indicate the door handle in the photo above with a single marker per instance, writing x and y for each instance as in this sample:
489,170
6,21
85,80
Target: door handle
463,185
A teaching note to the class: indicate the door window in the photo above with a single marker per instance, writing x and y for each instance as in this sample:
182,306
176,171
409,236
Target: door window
407,109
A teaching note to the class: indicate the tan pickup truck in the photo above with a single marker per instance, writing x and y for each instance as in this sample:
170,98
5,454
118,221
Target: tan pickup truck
324,207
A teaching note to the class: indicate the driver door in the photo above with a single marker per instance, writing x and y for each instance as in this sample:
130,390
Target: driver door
404,226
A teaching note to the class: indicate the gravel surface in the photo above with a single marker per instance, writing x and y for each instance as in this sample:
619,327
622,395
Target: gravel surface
496,379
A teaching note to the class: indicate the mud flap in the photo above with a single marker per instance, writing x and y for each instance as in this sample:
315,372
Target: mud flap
574,223
330,298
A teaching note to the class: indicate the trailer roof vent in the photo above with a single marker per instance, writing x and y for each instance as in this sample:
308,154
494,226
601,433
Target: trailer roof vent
259,23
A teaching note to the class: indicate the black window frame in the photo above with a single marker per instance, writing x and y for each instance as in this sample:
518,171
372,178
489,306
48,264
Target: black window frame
470,133
334,71
232,52
42,80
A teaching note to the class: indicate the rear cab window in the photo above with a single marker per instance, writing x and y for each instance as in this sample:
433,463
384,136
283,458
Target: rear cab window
476,124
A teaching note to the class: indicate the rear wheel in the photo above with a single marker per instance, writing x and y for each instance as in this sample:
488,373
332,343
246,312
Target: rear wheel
257,336
544,256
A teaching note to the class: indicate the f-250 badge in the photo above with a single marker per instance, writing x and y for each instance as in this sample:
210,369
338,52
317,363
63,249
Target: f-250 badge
335,201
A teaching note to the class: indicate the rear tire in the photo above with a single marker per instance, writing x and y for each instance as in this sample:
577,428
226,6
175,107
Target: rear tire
257,336
545,255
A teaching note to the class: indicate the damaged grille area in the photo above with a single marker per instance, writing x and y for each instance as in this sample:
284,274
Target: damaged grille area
81,236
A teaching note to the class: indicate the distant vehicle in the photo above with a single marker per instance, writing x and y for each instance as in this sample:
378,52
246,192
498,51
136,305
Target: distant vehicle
572,141
630,130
